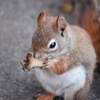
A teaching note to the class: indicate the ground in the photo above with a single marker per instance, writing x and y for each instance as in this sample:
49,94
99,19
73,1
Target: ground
17,24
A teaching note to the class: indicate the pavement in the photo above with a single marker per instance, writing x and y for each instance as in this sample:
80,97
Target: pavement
17,24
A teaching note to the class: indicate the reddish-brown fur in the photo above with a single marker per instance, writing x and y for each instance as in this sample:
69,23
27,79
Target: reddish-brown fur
87,18
47,96
58,66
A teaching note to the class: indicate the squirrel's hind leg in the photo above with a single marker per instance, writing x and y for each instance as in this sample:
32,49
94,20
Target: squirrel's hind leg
47,96
83,93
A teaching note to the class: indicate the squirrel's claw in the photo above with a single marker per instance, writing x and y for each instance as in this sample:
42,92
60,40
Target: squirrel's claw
23,68
23,63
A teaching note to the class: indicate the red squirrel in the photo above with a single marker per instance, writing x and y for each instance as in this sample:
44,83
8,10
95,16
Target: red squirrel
68,58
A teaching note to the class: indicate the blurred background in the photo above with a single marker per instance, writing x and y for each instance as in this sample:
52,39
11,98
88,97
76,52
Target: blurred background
17,24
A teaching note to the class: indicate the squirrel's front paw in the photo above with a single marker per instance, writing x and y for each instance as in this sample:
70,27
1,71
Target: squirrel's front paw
29,62
23,63
50,64
55,65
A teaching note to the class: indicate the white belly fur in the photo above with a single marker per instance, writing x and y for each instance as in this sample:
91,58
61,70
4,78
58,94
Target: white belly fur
56,84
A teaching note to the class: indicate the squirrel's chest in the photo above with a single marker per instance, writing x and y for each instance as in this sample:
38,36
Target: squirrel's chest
49,80
56,84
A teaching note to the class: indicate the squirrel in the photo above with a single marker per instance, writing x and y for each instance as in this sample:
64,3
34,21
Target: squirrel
87,18
68,58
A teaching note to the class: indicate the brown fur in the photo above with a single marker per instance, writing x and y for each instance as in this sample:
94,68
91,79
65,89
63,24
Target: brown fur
87,18
82,94
60,23
41,18
60,66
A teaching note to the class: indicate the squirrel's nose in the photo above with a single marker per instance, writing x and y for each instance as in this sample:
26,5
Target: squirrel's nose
34,52
37,56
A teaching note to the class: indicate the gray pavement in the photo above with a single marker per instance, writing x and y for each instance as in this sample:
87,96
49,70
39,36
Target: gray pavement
17,24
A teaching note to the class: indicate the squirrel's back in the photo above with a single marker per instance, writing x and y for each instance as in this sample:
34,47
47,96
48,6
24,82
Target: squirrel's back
87,18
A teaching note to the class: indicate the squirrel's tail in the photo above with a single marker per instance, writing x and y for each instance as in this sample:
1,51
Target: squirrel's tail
87,18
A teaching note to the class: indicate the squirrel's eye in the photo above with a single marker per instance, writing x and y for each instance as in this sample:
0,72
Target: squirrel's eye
52,45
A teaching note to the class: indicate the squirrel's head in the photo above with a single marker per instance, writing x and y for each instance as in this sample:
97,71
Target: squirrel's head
49,39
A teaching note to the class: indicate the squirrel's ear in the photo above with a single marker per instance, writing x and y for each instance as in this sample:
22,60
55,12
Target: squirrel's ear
60,25
41,17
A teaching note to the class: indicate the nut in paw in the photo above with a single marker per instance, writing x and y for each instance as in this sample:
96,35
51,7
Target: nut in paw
29,62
